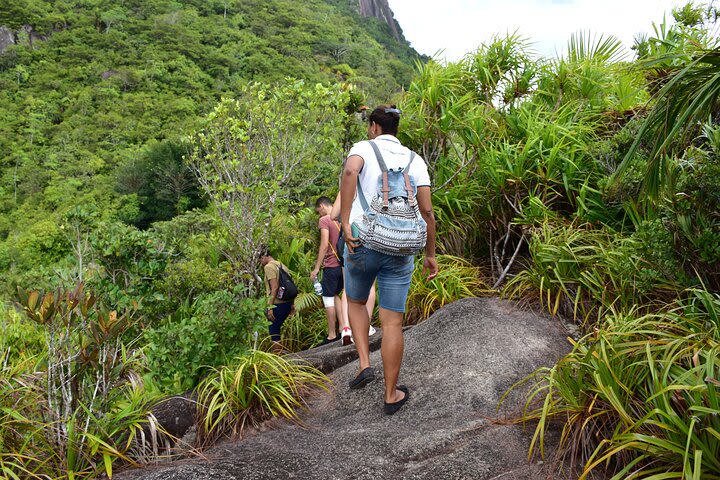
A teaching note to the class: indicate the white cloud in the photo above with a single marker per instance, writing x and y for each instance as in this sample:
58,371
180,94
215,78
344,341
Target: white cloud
460,26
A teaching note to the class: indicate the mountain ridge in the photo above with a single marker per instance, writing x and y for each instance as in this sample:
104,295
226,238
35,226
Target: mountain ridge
95,96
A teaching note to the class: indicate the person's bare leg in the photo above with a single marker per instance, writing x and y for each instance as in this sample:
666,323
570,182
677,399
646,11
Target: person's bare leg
392,349
345,309
340,312
360,325
332,332
370,304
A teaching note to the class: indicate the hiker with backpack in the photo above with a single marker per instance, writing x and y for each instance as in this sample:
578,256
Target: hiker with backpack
387,218
332,276
281,292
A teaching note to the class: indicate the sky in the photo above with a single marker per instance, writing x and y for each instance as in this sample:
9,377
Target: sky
460,26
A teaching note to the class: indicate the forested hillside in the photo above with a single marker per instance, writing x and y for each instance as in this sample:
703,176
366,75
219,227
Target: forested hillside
96,94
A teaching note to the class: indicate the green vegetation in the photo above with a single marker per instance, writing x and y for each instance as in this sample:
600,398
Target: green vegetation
257,386
96,100
263,153
108,113
154,150
85,405
641,392
213,330
586,184
457,278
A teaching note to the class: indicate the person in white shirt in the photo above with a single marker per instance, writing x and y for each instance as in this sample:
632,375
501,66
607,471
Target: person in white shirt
363,266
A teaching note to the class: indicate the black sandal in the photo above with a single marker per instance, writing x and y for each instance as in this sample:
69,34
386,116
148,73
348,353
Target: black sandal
329,340
363,378
391,408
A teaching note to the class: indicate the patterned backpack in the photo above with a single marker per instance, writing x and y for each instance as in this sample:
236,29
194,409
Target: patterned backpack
392,223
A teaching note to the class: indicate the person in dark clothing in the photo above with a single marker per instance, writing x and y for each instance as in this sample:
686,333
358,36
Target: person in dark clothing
278,310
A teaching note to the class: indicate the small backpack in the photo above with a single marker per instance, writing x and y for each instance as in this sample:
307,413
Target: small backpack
287,290
392,223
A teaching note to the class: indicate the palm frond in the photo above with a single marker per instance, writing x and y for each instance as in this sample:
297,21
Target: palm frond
690,97
584,47
307,301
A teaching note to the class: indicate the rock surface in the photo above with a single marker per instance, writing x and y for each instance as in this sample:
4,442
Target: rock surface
7,38
332,356
380,9
457,364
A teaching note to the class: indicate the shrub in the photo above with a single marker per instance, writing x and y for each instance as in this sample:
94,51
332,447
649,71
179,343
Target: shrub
43,242
692,216
130,259
81,412
256,386
456,279
215,328
581,272
196,264
639,395
656,248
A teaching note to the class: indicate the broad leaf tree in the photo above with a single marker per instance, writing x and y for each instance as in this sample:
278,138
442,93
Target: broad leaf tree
255,151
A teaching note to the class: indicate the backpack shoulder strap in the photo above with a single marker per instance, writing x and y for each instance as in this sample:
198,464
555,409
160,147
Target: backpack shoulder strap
385,184
378,155
361,195
408,186
331,243
412,157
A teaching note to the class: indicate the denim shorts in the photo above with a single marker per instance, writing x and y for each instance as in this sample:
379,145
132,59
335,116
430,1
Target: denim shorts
393,277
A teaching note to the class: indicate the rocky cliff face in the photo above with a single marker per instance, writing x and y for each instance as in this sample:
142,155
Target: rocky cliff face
380,9
7,38
26,35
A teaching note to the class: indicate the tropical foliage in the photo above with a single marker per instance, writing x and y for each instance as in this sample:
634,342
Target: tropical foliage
640,394
97,96
83,408
155,147
542,171
457,278
258,385
259,154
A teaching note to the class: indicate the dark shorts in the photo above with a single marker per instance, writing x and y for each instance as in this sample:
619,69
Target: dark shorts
332,281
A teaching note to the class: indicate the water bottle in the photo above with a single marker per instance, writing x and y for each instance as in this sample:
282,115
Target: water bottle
317,287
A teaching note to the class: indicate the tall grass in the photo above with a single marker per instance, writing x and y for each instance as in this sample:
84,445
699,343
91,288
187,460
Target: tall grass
259,385
304,330
456,279
19,458
585,272
639,397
